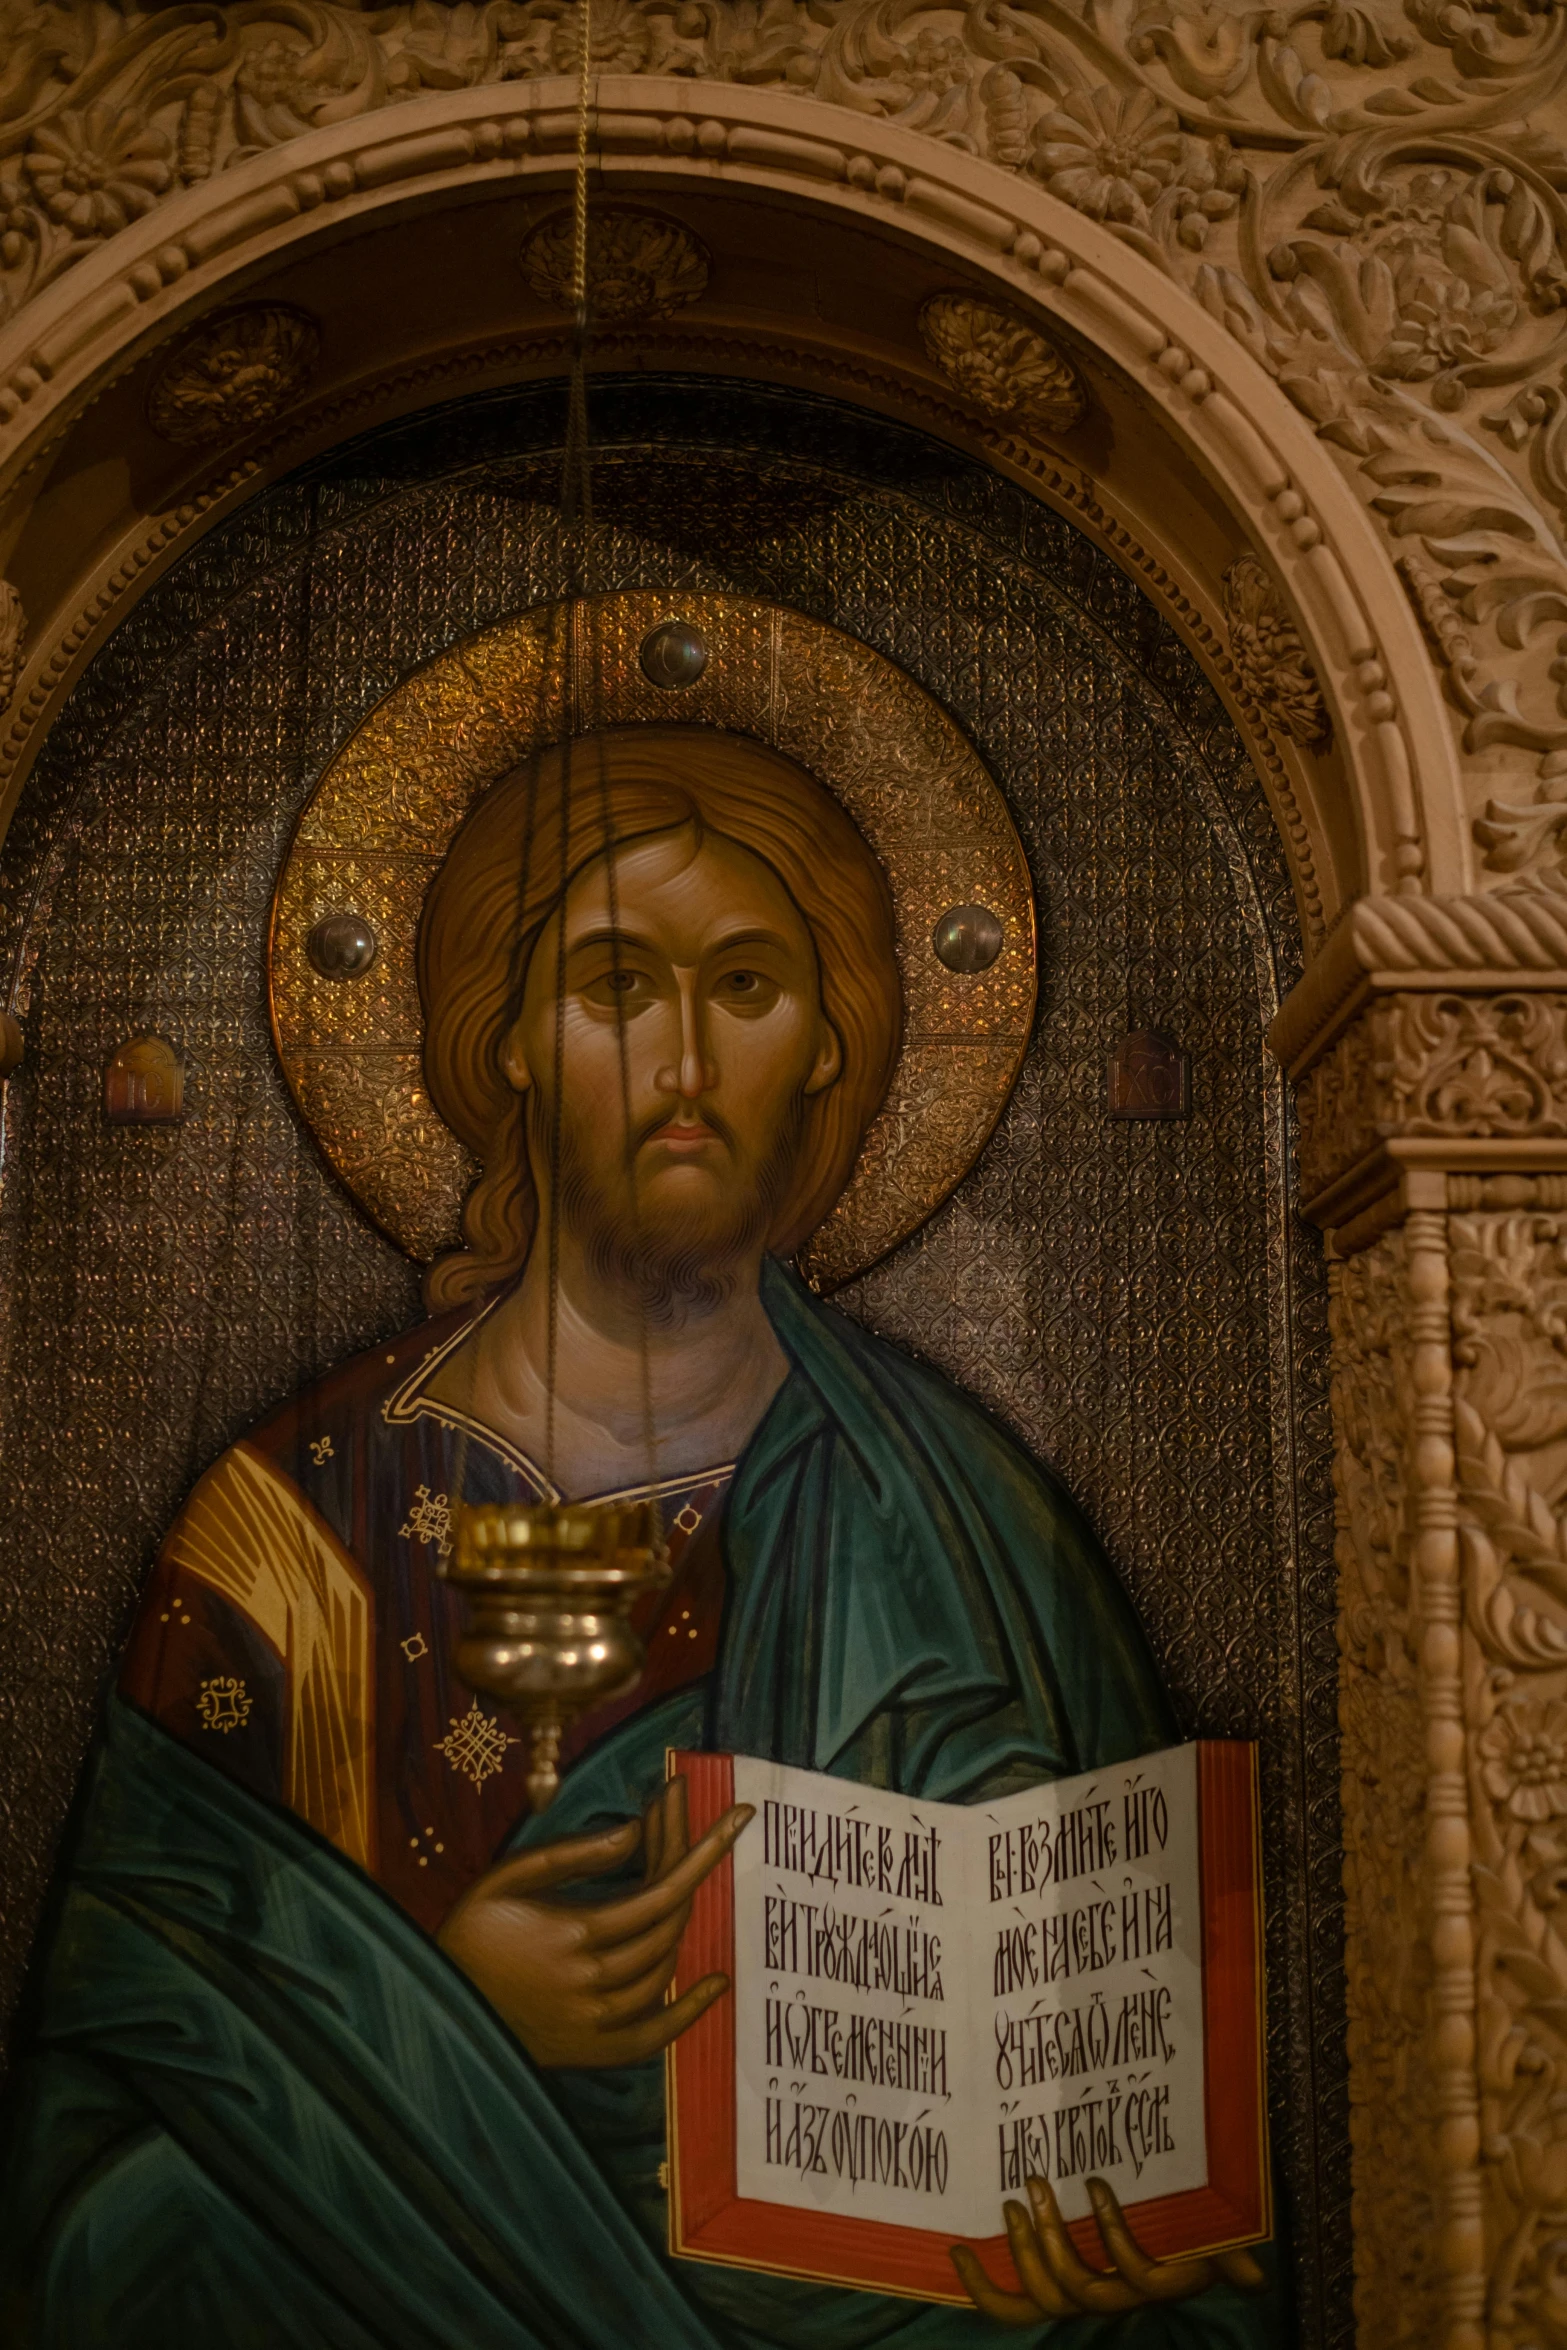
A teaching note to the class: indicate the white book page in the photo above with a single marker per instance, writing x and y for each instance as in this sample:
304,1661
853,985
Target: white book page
1092,1985
934,2002
854,2043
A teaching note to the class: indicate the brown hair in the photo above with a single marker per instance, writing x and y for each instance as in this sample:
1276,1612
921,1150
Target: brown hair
503,879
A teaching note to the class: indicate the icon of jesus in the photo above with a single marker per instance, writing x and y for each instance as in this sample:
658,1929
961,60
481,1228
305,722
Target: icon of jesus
330,2043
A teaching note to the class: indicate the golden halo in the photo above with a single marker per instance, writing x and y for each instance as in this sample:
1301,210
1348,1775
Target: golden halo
381,819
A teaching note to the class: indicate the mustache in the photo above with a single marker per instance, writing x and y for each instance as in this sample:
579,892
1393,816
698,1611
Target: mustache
659,1119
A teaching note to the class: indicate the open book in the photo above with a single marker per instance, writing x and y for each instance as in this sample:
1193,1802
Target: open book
934,2002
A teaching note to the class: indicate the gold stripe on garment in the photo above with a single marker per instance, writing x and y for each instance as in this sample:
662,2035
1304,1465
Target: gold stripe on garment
251,1536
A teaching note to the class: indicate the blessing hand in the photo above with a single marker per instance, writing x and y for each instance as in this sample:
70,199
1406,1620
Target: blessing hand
1056,2283
583,1984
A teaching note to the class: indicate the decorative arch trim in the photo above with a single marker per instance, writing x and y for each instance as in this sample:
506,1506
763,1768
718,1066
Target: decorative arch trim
214,241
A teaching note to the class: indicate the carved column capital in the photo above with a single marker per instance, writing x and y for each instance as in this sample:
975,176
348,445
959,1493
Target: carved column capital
1428,1041
1428,1044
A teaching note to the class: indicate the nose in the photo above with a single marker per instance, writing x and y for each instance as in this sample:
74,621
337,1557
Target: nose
693,1074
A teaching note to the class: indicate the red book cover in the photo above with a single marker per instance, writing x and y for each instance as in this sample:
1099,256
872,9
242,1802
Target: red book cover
711,2220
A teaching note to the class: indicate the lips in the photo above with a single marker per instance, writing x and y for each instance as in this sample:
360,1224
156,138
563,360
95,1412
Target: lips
684,1138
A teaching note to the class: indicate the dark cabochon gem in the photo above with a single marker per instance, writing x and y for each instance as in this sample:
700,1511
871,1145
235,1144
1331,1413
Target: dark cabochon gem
342,946
967,938
674,654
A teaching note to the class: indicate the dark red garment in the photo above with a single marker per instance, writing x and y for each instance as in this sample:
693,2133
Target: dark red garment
359,1472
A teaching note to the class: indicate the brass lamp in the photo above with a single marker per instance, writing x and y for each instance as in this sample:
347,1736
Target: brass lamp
549,1592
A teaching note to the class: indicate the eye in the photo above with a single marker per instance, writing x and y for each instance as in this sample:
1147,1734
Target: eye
624,990
746,993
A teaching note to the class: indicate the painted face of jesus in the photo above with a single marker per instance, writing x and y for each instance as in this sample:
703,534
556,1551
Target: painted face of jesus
706,968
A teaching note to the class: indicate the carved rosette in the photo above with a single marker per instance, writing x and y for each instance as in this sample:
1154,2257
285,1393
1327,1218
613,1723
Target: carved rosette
1269,656
234,372
640,264
1002,363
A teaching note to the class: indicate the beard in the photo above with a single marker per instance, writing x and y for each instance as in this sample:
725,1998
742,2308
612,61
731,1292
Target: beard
679,1263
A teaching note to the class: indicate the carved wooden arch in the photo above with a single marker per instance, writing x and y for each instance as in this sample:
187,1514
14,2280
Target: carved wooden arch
1394,773
1428,1036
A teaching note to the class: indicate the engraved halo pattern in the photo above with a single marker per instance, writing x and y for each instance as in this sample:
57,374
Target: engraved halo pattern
378,824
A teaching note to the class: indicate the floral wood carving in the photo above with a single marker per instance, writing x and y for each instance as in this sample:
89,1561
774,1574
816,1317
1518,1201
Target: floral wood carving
90,172
640,265
1435,1065
1371,197
1269,655
1510,1330
1001,363
13,637
235,371
1384,1796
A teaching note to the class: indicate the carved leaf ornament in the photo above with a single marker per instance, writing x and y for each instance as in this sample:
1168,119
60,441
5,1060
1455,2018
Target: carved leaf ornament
1001,363
235,371
1370,197
1439,1067
1509,1293
640,265
1269,656
1384,1793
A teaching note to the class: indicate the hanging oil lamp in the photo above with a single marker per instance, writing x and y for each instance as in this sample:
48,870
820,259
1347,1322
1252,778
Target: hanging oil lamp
549,1588
549,1591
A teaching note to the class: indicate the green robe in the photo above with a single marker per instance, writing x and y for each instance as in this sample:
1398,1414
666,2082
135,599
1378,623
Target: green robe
256,2106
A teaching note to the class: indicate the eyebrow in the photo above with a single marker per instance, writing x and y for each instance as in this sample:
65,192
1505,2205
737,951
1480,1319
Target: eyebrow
607,936
751,938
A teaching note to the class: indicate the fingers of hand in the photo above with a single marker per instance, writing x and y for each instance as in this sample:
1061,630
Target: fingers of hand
1240,2270
653,1835
677,1832
622,1962
548,1865
1078,2282
1033,2275
634,2043
618,1920
513,1948
608,2010
664,1833
1008,2309
1155,2280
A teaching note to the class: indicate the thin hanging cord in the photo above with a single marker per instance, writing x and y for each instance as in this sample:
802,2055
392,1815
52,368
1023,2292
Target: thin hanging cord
577,517
584,692
581,716
577,502
557,1118
534,736
644,1349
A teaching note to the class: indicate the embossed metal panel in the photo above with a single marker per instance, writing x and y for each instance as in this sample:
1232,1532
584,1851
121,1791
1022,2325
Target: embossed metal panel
1131,1297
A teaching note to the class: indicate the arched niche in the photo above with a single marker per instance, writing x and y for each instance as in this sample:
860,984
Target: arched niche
1131,1296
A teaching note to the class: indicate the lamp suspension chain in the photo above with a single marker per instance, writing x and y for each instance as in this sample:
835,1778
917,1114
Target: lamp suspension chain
549,1587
